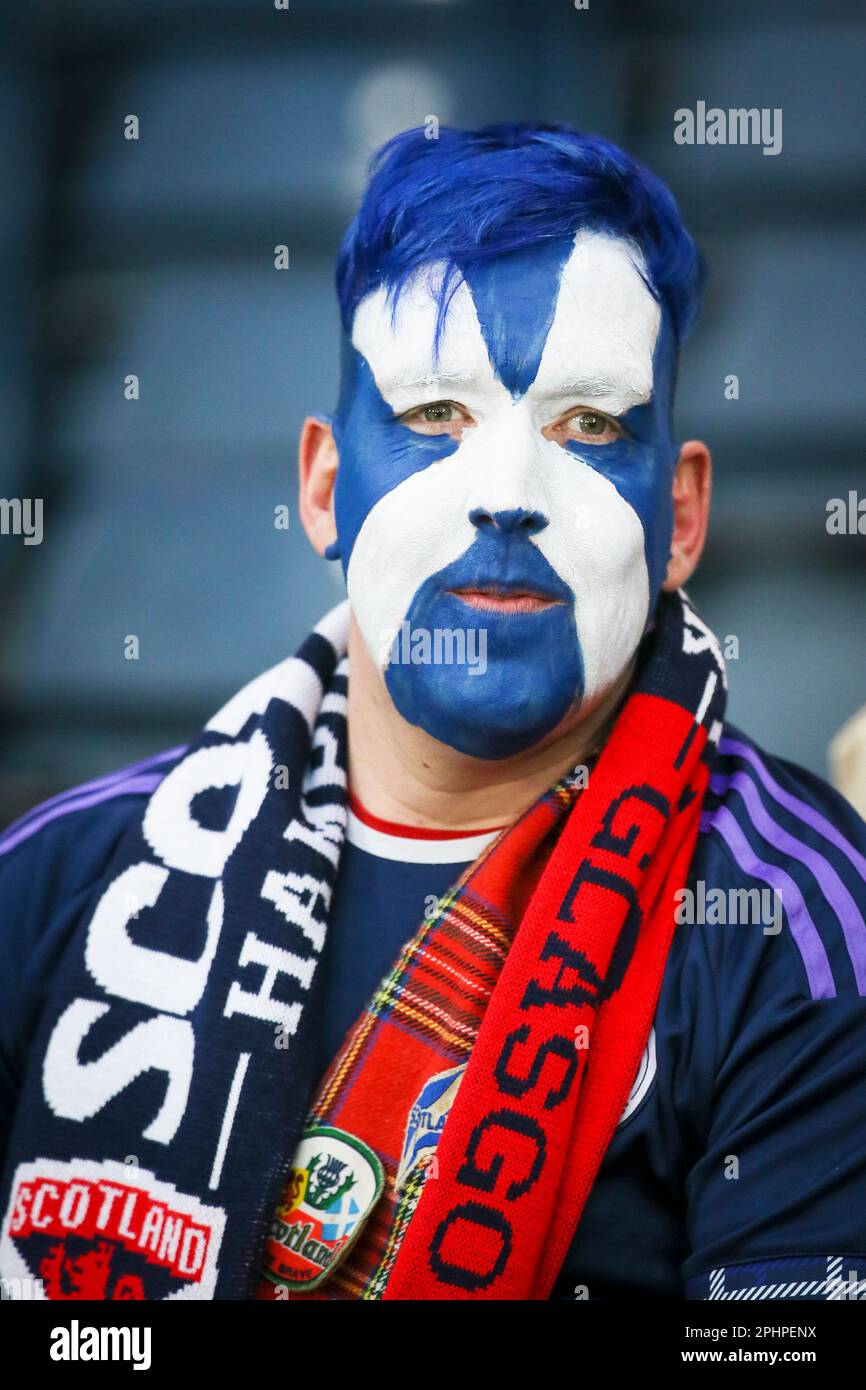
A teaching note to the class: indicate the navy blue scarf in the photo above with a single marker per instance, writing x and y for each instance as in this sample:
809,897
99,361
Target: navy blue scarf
171,1071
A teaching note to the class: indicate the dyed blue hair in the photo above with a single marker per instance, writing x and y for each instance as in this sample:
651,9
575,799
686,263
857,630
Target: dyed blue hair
473,195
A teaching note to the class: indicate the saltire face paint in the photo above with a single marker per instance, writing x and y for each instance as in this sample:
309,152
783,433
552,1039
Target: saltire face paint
586,525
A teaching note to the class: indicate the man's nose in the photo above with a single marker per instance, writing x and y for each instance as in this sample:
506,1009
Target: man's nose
511,522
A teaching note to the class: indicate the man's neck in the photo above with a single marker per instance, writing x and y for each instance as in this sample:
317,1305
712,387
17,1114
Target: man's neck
400,773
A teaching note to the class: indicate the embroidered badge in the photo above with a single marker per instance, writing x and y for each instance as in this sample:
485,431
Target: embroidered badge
109,1230
335,1182
427,1119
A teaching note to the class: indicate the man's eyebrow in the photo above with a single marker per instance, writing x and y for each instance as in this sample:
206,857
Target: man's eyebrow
409,381
587,388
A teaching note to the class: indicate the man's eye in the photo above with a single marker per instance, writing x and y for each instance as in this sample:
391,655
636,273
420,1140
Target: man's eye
591,424
588,426
440,417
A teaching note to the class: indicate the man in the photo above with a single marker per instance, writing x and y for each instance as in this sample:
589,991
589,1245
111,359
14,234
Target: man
468,953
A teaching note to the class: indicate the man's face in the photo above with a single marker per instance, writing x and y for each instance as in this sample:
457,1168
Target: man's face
515,489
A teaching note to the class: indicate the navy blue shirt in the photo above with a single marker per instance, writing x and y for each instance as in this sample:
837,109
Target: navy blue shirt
739,1165
386,884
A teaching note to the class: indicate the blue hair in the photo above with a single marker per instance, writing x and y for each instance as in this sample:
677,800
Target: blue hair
473,195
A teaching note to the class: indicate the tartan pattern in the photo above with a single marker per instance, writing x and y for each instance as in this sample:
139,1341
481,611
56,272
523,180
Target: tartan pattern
406,1203
437,993
596,960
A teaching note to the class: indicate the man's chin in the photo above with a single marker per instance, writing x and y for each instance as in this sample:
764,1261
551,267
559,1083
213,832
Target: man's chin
483,743
478,726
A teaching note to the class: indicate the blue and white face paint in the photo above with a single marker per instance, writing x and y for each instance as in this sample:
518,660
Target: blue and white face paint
517,497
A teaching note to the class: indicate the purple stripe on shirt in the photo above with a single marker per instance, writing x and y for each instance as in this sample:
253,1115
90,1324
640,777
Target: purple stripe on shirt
19,833
110,779
803,929
801,809
831,885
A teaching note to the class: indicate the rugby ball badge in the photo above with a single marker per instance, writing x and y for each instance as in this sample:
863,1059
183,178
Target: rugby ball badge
427,1119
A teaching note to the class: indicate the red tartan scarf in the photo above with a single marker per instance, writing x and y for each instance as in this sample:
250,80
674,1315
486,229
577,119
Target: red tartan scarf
453,1142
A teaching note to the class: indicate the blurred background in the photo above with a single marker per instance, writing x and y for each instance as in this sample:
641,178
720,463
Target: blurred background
155,257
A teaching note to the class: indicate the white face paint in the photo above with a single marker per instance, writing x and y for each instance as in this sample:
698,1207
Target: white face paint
598,354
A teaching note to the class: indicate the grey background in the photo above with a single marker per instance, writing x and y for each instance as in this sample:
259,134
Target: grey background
156,257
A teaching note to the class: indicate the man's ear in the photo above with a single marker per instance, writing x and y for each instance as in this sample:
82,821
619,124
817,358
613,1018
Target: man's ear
691,490
317,465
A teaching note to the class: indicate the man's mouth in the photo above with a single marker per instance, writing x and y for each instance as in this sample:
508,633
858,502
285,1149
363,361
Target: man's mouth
504,598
